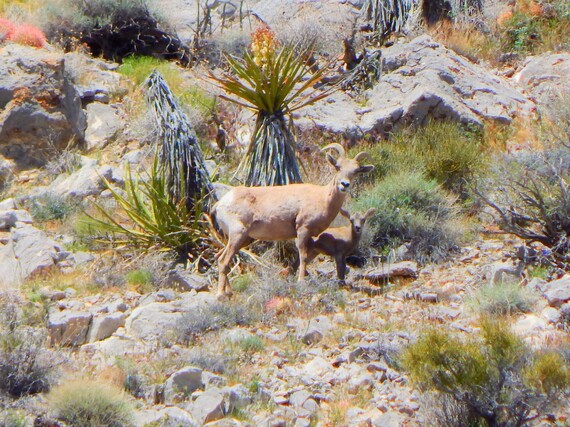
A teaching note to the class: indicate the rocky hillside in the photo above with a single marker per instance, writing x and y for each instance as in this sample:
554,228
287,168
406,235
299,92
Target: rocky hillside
456,309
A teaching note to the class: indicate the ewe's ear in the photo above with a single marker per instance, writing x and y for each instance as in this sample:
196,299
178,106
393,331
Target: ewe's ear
369,213
333,161
345,213
364,169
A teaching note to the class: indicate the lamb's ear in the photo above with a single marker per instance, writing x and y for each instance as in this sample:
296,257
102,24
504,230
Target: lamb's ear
345,213
364,169
369,213
332,161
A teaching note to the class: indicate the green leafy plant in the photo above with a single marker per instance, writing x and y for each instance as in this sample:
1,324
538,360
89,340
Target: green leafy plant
91,404
50,207
271,82
412,210
495,376
151,218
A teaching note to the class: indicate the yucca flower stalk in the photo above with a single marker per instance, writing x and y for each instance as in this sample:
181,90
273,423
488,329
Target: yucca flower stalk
273,81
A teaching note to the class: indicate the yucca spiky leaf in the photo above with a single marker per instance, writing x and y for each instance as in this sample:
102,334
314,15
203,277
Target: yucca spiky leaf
279,86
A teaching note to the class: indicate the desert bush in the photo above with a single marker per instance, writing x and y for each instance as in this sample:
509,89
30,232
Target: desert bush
529,197
7,28
113,29
411,209
503,298
91,404
25,366
29,35
500,380
141,278
213,317
49,207
12,419
535,27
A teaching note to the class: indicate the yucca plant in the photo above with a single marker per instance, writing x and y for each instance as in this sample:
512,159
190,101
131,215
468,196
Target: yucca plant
273,82
387,16
152,218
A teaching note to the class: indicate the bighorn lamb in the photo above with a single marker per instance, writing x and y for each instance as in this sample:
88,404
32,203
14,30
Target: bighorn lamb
339,242
284,212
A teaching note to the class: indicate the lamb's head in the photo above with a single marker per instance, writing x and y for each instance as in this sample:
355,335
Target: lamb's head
357,219
346,168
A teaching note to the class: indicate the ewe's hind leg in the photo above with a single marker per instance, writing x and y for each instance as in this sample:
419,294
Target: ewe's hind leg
303,237
236,241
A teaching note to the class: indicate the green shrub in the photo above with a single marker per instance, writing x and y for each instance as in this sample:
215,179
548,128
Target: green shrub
251,344
12,419
503,298
140,277
411,209
536,27
91,404
494,376
51,207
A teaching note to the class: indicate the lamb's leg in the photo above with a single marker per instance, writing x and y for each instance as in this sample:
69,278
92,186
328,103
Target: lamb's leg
340,268
236,241
303,237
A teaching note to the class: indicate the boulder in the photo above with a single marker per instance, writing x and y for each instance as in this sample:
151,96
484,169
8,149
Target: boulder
165,417
182,384
183,281
236,397
156,320
68,327
545,76
9,218
28,253
557,292
103,326
387,271
35,105
87,181
421,79
209,406
103,125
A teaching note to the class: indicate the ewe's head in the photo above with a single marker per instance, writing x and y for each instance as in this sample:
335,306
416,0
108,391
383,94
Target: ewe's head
357,219
346,168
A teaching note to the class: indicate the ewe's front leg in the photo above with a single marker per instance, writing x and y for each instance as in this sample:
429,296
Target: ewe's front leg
236,241
303,237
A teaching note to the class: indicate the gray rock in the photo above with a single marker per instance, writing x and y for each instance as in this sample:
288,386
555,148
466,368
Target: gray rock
82,258
386,271
360,382
104,326
82,183
422,79
545,76
8,204
551,314
236,397
557,292
165,417
182,384
35,107
184,281
312,337
68,328
298,398
389,419
28,253
209,406
115,346
103,125
212,380
9,218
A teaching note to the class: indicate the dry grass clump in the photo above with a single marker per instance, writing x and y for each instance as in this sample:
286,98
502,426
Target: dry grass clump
502,299
91,404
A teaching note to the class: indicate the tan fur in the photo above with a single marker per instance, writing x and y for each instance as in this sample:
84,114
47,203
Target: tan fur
283,212
339,242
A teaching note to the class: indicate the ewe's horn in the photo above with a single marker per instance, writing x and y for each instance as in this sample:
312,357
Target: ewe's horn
361,156
337,147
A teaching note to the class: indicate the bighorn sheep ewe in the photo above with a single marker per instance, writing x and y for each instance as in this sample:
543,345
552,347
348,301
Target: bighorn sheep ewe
285,212
339,242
